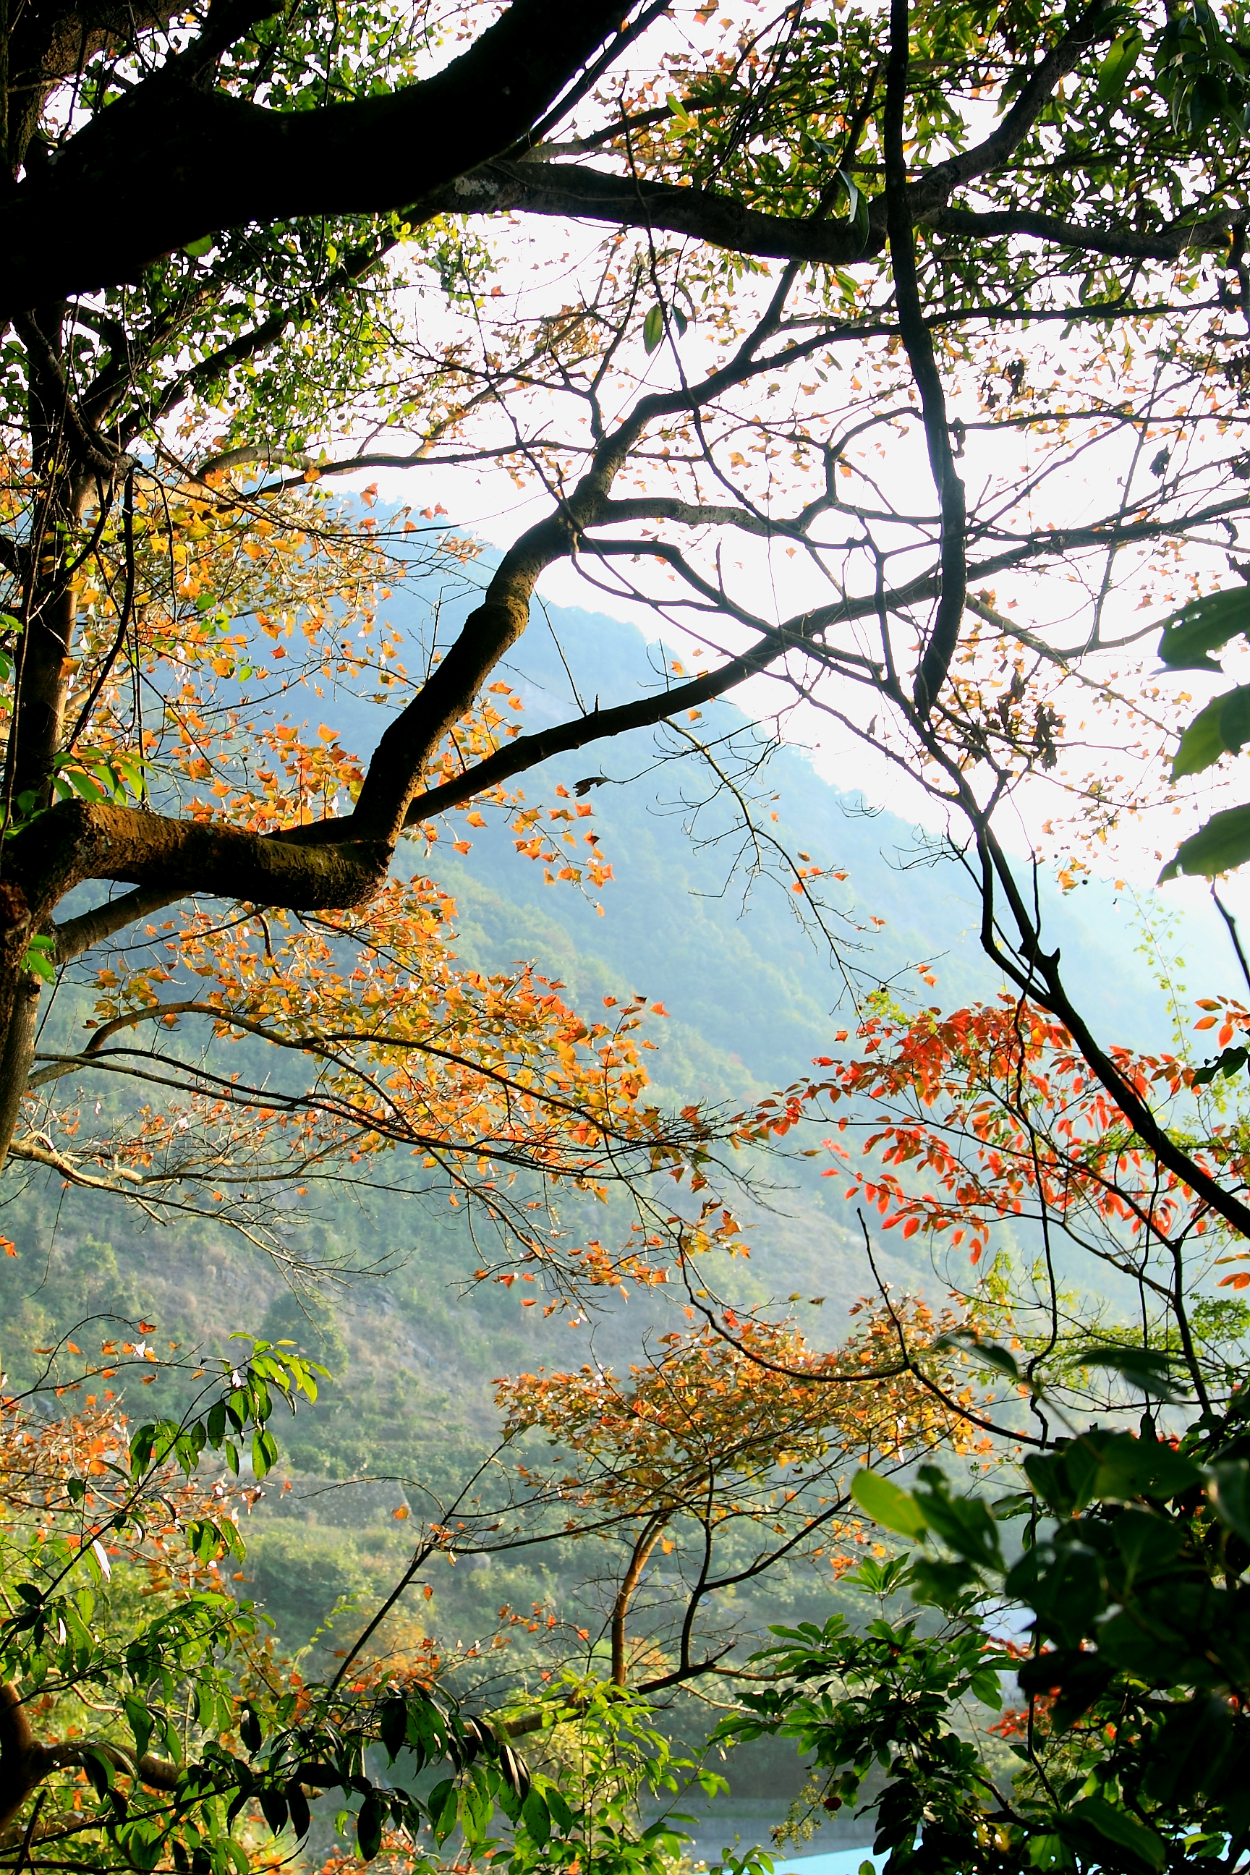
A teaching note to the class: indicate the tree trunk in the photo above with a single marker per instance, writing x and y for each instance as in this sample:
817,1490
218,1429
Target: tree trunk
625,1595
48,613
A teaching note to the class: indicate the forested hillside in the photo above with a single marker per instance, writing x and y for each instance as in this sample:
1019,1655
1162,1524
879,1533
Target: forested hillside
752,994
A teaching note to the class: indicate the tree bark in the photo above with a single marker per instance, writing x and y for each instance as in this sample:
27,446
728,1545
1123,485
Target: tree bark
625,1595
173,160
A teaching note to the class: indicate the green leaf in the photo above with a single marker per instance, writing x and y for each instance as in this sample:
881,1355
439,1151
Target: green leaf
986,1686
249,1727
888,1504
1121,1829
1230,1061
139,1720
536,1818
444,1809
273,1809
1230,1494
198,249
1203,626
561,1815
39,958
264,1452
943,1583
852,195
1189,1750
1221,727
1144,1368
86,785
1117,67
653,328
368,1828
1221,844
1000,1359
1131,1467
297,1804
964,1523
1016,1504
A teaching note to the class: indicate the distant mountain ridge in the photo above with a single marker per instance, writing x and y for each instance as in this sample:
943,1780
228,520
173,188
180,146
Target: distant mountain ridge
752,998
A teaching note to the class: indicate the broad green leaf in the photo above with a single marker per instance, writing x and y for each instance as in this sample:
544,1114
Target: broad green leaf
999,1358
986,1686
40,958
1230,1494
1190,1748
941,1582
1221,844
1222,727
86,785
368,1827
273,1809
198,249
1122,1829
1017,1504
888,1504
1203,626
1143,1368
1132,1467
653,328
964,1523
1230,1061
140,1721
536,1818
1117,67
444,1810
562,1816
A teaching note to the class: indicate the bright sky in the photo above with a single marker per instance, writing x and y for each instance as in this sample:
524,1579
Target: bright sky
544,261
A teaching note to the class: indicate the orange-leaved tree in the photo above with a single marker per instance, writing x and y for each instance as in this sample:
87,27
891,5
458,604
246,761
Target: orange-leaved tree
983,1136
215,1061
729,1448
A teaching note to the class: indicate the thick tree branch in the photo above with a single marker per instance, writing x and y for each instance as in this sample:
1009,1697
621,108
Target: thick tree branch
76,840
574,192
89,928
172,162
938,652
24,1762
937,185
1167,242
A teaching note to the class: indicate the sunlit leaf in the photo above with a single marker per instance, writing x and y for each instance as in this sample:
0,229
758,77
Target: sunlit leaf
887,1503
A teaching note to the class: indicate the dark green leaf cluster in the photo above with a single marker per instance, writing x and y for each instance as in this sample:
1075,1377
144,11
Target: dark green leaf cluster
1222,726
1131,1591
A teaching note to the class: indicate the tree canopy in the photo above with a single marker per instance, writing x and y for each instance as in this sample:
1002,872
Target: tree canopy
944,189
894,358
